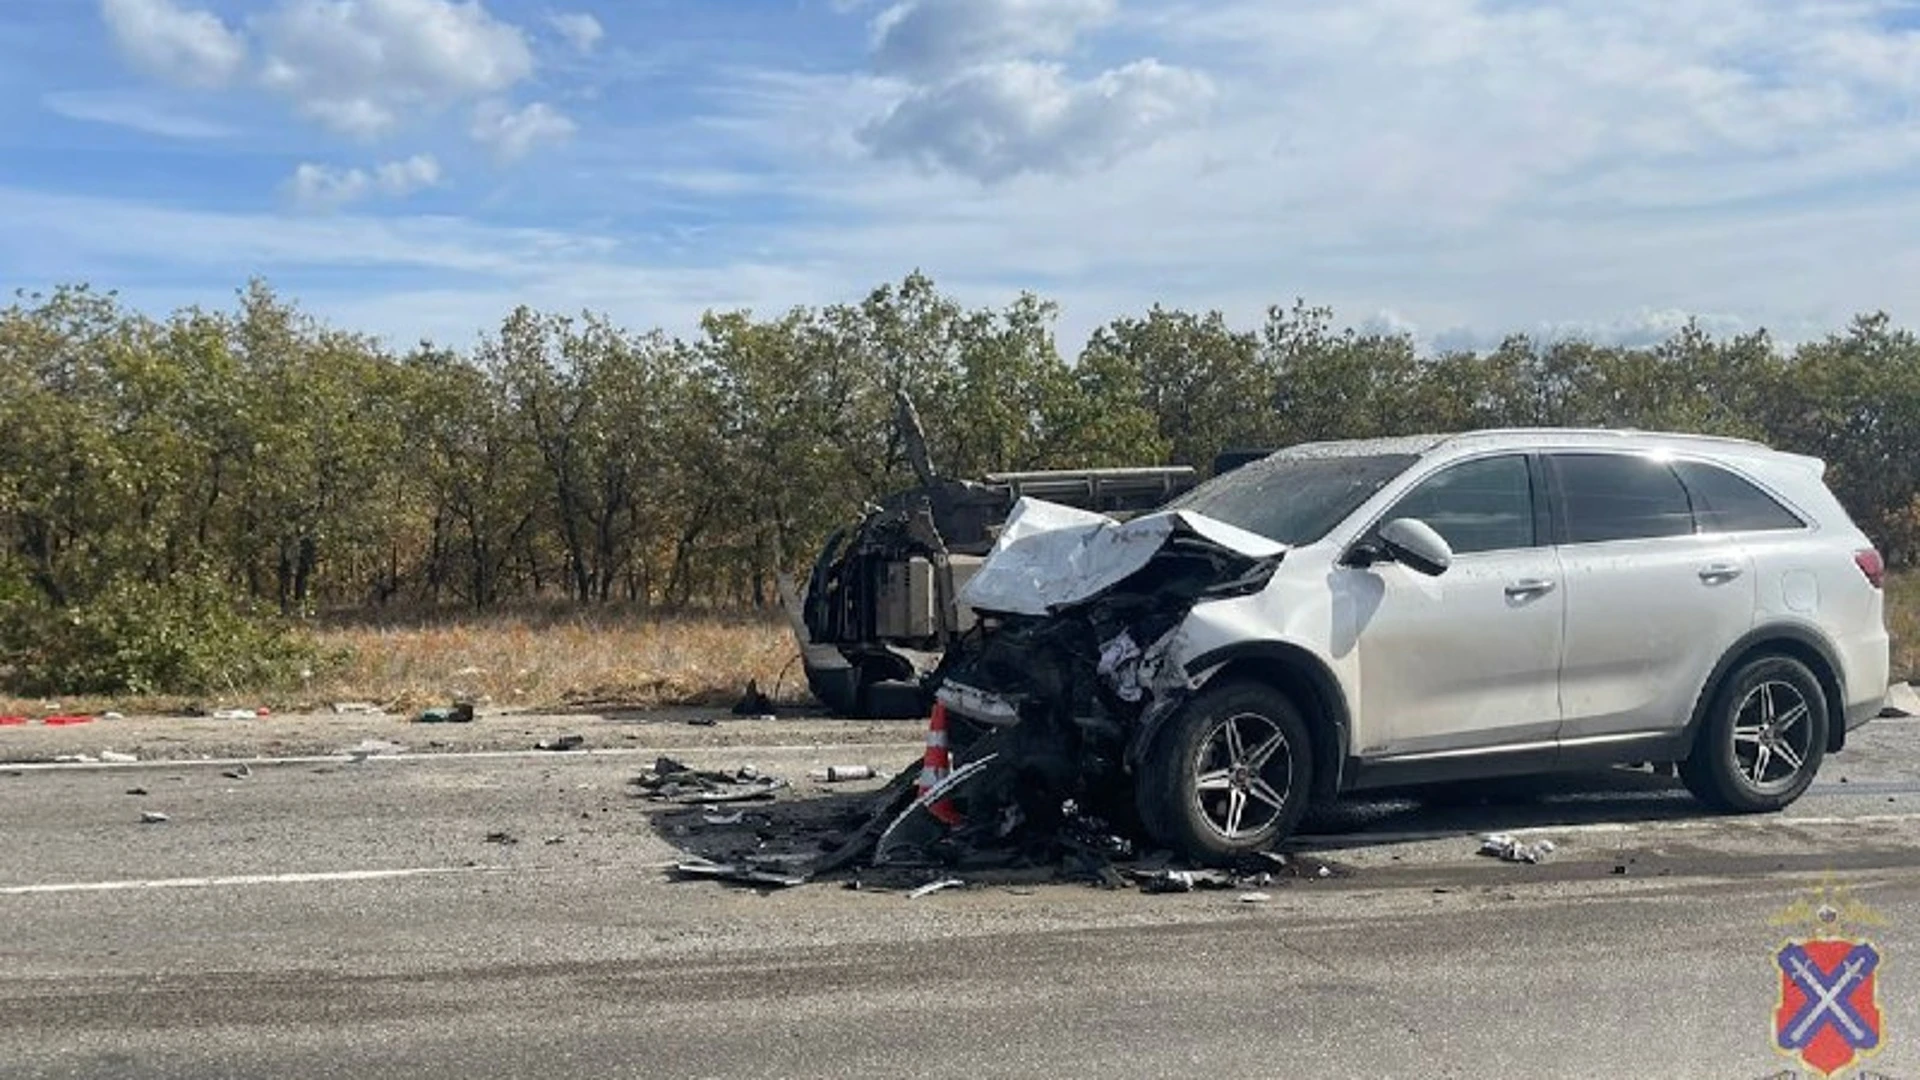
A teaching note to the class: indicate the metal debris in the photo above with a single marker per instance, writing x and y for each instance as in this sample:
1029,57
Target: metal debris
561,743
671,781
932,887
1177,881
1510,849
739,873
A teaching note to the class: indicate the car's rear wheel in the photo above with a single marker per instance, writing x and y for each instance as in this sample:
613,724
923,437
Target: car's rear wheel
1762,739
1229,775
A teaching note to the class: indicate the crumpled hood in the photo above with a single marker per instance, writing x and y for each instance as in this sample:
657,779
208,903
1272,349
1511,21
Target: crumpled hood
1048,555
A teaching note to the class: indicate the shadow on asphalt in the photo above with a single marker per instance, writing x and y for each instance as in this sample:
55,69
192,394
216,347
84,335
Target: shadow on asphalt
802,825
1534,802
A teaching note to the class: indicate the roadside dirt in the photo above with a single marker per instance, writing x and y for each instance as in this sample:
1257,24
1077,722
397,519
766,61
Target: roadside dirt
302,734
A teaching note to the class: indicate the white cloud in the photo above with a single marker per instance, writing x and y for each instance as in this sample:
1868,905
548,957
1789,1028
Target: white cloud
361,66
512,133
180,45
999,120
136,112
322,187
984,99
925,39
580,29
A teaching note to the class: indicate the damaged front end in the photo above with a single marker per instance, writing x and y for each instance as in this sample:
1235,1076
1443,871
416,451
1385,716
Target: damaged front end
1074,662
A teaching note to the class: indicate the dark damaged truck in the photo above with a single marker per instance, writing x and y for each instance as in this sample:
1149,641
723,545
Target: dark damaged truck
881,604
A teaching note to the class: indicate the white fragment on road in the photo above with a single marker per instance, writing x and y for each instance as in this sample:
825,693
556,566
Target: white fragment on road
116,757
244,879
1902,700
153,817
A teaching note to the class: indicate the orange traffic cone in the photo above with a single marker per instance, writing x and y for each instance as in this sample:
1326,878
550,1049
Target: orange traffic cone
938,764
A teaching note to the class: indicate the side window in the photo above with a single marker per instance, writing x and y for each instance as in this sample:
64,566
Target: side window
1620,497
1724,502
1484,505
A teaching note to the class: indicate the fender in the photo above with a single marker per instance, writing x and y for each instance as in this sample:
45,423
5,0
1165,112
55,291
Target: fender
1801,638
1296,671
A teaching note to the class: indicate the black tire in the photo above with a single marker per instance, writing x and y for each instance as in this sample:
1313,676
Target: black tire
1762,740
1175,793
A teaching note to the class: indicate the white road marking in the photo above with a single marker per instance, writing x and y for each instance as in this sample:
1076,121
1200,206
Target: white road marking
908,749
244,879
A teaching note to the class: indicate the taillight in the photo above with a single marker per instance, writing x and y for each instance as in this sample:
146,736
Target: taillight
1872,565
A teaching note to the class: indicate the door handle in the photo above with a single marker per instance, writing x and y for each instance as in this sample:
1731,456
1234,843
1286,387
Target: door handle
1526,587
1719,572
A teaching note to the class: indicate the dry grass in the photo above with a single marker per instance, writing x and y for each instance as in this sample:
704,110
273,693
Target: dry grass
540,660
537,658
555,657
1903,622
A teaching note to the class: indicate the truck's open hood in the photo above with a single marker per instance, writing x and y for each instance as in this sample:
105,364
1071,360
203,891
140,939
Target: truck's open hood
1049,555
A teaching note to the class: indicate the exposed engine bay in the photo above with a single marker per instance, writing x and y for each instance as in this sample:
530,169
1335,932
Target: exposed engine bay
1067,694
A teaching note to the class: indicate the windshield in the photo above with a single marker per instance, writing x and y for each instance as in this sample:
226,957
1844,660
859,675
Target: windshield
1294,500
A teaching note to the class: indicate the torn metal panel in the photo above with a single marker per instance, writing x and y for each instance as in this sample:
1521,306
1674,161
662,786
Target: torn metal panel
890,839
1049,556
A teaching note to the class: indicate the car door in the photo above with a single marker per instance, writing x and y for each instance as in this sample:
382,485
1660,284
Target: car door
1468,659
1652,601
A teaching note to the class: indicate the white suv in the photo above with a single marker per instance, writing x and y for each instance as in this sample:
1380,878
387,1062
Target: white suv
1356,615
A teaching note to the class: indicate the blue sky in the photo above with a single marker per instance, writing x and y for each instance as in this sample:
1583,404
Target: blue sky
1458,168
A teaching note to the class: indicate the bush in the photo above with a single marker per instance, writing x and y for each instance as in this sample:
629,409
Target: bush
187,635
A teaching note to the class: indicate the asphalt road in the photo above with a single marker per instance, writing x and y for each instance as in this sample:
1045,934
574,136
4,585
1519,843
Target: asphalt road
326,919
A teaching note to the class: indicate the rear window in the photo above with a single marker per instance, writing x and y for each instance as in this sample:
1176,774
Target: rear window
1620,497
1294,500
1723,502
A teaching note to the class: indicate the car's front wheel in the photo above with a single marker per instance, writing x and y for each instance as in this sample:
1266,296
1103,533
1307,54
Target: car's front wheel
1762,739
1229,775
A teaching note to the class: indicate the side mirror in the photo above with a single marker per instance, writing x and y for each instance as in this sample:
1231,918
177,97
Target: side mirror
1412,541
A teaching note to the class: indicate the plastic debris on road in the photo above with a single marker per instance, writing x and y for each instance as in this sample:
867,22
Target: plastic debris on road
457,713
116,757
839,774
153,817
671,781
1509,849
1902,700
366,748
356,708
562,743
238,772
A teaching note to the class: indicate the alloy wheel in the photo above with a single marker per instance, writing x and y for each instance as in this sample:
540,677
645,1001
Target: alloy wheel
1243,775
1772,735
